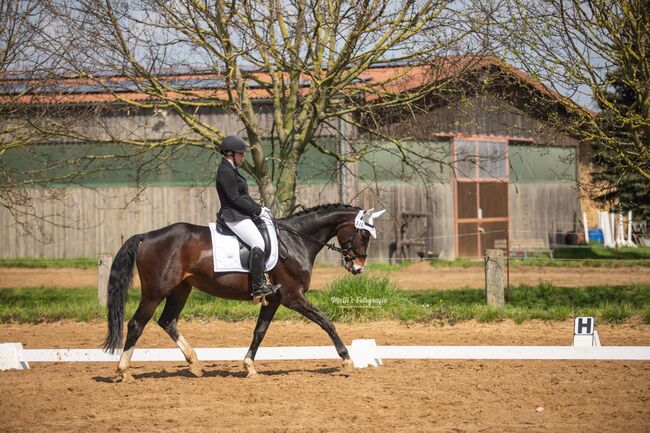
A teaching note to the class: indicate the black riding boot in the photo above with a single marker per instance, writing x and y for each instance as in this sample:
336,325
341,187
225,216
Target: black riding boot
260,286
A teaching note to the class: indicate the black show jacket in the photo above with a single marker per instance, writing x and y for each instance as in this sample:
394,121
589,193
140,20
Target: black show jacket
236,203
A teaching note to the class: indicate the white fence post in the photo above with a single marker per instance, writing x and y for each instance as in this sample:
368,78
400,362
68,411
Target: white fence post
104,263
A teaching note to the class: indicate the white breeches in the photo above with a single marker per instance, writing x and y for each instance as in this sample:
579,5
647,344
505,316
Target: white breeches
247,232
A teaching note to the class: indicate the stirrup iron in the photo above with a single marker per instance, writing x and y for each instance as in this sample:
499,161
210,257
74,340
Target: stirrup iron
262,298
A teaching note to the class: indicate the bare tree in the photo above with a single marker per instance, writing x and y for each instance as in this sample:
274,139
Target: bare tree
583,49
308,59
25,67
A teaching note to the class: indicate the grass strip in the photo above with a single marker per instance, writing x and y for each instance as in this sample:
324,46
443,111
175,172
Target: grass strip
360,298
584,256
77,263
599,252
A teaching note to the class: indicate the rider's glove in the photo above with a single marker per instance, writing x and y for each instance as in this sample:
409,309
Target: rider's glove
266,213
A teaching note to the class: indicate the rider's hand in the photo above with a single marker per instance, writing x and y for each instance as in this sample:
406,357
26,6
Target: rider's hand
266,213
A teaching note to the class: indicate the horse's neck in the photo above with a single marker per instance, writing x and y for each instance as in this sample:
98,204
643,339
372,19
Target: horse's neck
324,226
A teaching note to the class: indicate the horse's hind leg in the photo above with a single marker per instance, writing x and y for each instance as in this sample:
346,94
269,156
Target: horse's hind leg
169,321
136,326
263,320
310,311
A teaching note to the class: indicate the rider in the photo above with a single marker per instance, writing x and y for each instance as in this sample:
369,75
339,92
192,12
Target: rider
238,209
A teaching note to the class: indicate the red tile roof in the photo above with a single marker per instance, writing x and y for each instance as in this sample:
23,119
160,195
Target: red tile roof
374,82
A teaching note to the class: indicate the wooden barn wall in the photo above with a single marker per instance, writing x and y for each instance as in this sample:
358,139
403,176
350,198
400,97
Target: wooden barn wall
537,210
124,122
437,199
92,221
479,115
99,220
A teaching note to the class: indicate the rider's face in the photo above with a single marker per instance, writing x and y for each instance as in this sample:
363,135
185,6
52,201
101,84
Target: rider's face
238,158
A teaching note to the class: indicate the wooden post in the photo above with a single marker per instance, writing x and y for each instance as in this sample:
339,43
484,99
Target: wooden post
494,277
104,263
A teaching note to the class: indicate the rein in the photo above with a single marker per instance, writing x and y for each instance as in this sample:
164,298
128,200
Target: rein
306,236
343,251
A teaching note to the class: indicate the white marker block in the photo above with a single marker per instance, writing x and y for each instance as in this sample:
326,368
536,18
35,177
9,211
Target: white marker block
364,353
12,357
584,332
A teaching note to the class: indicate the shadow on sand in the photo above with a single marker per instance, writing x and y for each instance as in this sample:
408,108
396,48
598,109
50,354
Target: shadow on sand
209,372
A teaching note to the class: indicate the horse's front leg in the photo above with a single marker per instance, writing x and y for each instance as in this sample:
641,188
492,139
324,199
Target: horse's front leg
302,305
263,321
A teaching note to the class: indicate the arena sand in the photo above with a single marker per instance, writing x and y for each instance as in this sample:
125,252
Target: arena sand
315,396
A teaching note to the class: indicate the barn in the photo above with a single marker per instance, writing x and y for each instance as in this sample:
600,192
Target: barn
488,168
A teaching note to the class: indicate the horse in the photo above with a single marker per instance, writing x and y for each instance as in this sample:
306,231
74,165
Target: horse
174,259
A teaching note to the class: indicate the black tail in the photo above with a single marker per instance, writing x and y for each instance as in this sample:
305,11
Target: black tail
119,282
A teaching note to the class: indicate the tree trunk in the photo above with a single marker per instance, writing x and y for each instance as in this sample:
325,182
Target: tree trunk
285,194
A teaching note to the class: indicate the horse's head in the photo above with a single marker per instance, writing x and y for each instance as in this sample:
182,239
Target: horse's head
354,238
352,226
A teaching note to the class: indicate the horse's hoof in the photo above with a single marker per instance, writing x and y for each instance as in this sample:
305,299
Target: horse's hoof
249,365
123,377
348,365
196,370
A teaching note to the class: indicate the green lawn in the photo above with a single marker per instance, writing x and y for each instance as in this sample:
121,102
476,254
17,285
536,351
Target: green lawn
359,298
599,252
583,256
78,262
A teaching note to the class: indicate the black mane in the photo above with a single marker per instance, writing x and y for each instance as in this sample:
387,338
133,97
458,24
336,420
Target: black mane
325,206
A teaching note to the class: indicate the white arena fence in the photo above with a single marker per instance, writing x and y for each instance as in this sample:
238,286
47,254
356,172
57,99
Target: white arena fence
364,353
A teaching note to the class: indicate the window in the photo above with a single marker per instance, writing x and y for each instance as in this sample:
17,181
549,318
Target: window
109,165
384,162
314,167
481,159
541,164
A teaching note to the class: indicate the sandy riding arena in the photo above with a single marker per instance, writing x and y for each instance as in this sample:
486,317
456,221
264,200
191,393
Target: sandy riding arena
296,396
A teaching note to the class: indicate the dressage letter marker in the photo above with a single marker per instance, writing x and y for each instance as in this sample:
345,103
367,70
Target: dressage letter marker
584,332
584,326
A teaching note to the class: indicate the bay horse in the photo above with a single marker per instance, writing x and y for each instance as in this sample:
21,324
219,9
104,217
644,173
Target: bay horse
173,259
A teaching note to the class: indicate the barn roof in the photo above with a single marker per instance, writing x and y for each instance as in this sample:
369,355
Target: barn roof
373,83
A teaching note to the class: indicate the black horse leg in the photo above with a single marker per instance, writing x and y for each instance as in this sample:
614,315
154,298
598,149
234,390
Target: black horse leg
169,321
309,310
136,326
263,321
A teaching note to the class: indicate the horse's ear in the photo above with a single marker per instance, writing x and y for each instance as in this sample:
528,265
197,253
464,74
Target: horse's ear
361,224
375,215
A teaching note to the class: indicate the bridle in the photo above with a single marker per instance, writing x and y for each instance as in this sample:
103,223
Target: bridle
349,247
344,250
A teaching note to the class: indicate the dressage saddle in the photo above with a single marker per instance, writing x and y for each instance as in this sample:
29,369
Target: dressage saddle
245,249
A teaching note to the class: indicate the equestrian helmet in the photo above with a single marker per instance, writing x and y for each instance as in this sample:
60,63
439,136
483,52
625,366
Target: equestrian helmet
233,143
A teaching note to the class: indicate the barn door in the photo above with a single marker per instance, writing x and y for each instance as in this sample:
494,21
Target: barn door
481,195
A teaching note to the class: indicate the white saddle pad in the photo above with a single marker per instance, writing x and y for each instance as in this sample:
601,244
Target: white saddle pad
225,250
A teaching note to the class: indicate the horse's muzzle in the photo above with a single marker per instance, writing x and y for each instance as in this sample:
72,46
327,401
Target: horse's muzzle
354,268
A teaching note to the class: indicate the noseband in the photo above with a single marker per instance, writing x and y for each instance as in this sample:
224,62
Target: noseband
349,247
